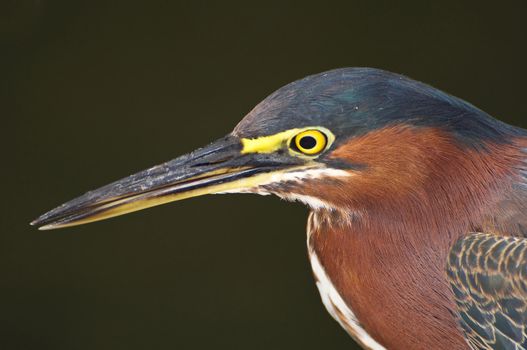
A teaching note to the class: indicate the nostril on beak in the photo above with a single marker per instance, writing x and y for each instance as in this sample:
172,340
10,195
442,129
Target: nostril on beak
211,162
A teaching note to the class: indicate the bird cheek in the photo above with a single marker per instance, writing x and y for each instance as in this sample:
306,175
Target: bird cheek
323,193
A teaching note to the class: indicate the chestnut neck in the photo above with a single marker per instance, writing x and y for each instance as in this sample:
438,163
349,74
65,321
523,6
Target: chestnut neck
386,252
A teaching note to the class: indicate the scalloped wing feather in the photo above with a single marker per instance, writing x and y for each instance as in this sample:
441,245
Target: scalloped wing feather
488,275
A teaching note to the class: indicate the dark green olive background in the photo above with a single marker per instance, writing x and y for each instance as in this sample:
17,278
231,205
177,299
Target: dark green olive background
94,91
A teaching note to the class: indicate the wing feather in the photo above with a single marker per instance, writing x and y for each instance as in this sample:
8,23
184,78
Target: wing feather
488,275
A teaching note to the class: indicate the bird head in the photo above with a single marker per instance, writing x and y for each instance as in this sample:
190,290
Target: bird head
336,140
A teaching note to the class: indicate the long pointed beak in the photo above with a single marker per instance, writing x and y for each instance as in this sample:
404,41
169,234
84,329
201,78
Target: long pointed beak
219,167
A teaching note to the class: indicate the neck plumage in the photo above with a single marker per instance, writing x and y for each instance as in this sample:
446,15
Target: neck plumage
386,255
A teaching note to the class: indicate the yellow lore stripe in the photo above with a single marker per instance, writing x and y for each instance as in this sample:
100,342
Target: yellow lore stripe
268,144
272,143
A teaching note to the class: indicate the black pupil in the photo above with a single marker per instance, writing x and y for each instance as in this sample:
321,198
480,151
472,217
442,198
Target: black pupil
308,142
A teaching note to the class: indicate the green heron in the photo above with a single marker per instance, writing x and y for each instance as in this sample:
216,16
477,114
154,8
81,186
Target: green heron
418,202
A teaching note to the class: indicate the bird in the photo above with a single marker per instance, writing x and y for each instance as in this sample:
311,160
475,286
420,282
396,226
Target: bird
417,226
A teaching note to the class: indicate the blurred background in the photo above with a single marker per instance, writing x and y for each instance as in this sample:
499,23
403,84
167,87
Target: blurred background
92,91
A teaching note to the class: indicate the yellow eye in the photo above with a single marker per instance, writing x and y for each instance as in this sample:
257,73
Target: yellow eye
310,142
